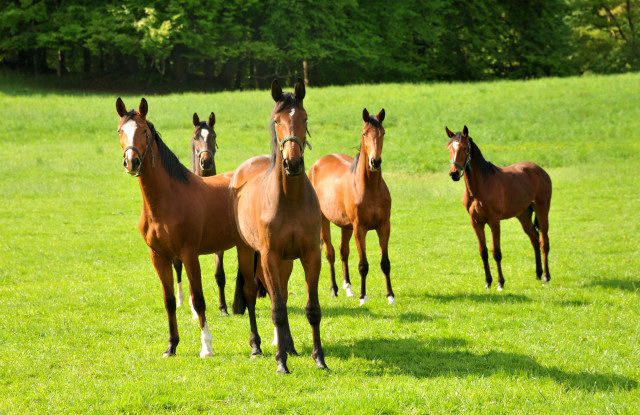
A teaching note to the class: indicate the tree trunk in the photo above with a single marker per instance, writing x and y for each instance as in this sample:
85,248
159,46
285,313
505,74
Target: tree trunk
305,70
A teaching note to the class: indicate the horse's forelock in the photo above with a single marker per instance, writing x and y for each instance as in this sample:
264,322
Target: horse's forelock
288,100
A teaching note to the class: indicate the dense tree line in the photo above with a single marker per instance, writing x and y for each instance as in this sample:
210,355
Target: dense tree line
246,43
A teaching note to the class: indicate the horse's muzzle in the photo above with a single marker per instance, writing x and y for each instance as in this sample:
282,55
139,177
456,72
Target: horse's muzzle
293,168
132,166
455,175
375,164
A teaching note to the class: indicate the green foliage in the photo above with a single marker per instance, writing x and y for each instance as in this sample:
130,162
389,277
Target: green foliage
83,324
236,43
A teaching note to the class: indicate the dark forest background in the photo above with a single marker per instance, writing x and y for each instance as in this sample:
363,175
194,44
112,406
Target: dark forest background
243,44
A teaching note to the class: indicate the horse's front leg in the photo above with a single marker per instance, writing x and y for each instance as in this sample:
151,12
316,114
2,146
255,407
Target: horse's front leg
286,267
497,253
221,281
383,237
177,265
271,270
478,227
344,257
163,269
363,265
311,265
192,266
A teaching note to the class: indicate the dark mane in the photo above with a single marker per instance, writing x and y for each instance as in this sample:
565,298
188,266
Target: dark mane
170,161
288,100
354,163
484,166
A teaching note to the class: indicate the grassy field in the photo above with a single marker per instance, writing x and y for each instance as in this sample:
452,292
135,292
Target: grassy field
82,321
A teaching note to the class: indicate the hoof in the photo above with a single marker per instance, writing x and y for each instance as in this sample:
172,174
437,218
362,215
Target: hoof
347,289
282,369
363,300
256,352
321,365
487,286
169,352
224,313
500,287
206,353
334,293
392,301
547,279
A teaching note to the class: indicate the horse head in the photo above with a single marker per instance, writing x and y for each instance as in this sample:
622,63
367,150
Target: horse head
289,125
135,136
204,143
459,152
372,138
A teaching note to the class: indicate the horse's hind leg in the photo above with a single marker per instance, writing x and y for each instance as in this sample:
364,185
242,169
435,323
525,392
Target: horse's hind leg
542,217
311,265
163,269
177,264
385,265
192,266
497,253
221,281
529,229
484,253
246,272
344,257
330,253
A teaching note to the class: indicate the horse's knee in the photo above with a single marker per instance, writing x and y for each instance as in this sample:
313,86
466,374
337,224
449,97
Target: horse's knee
199,304
314,314
344,253
484,254
279,314
221,278
385,265
363,267
330,254
170,304
497,255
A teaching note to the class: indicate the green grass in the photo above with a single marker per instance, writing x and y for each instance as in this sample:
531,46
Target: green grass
82,322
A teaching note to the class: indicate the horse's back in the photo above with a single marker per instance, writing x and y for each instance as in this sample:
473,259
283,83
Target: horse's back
325,176
331,165
248,170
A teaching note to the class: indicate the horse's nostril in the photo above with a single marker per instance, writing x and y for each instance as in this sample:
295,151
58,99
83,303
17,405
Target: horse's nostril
124,163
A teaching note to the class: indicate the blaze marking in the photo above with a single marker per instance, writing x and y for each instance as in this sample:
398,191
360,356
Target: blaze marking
293,111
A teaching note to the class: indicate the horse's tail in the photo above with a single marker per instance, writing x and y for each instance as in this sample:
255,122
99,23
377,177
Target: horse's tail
261,291
536,225
239,302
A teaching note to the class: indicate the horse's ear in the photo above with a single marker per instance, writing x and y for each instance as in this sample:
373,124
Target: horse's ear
465,132
212,119
450,133
143,108
122,110
381,116
365,115
196,119
276,90
299,90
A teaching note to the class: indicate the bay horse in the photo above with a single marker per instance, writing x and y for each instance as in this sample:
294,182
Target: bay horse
354,196
175,220
278,219
493,193
203,150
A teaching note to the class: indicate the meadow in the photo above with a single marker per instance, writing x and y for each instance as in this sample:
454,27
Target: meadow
82,321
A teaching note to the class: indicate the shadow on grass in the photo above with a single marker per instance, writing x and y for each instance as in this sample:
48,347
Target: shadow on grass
496,298
615,283
435,358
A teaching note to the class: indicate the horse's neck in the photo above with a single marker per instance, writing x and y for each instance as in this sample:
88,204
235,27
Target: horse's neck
473,180
288,188
365,180
155,183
